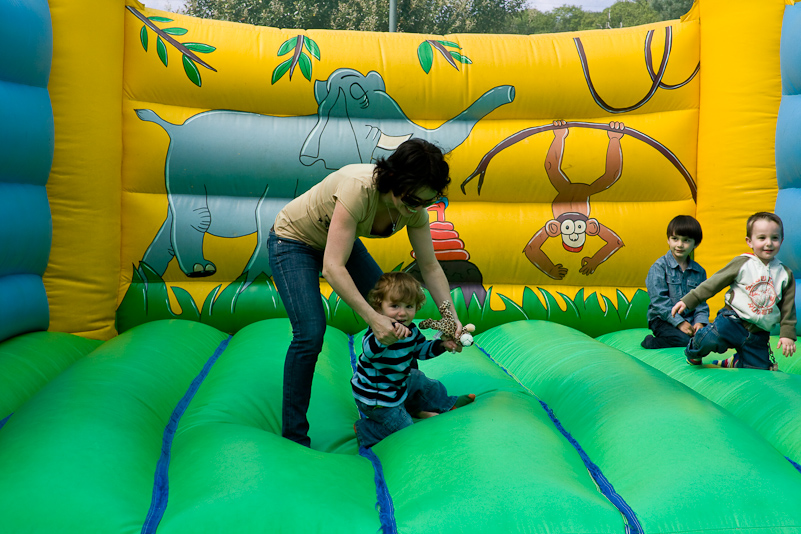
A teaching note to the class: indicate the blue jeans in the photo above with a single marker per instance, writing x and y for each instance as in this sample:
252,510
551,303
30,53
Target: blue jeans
296,273
424,394
664,335
753,348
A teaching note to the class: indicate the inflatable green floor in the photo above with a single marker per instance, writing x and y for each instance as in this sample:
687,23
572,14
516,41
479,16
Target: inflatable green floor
174,427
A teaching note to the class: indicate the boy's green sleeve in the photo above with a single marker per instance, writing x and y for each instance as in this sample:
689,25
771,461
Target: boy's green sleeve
787,309
714,284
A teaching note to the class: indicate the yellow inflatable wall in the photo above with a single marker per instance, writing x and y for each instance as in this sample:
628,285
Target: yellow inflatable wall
177,142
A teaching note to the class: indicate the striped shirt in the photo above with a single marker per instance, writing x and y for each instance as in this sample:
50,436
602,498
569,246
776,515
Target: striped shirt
382,372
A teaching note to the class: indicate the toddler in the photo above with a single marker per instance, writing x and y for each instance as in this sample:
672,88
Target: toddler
387,386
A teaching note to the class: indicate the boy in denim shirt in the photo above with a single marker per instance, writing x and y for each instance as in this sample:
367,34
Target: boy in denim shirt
761,295
670,278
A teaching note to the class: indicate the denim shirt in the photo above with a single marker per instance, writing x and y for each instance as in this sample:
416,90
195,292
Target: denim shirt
667,284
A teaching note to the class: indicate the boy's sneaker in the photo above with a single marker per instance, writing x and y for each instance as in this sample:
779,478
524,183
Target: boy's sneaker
692,361
728,363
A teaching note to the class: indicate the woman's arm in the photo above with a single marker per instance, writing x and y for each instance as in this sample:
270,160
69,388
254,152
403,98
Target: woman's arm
433,276
341,235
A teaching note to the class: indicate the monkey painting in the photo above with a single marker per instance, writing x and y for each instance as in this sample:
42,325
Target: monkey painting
571,207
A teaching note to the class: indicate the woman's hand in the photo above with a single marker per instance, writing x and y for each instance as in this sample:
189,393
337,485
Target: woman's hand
451,345
388,331
459,331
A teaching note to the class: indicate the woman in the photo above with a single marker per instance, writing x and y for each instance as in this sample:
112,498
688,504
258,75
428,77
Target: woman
319,232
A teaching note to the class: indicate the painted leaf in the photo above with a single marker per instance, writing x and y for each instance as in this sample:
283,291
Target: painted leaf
161,48
288,46
450,43
143,37
200,48
305,66
191,71
175,31
425,53
459,57
280,70
312,47
159,19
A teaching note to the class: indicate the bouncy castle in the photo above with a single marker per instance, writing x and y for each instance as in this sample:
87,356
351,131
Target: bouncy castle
145,155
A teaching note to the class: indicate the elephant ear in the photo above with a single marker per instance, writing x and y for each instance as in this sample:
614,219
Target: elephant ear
332,140
337,80
375,81
320,91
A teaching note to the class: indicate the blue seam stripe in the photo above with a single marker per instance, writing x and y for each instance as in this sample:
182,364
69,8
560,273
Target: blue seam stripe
384,504
385,507
629,517
353,360
632,523
5,420
352,347
798,467
161,483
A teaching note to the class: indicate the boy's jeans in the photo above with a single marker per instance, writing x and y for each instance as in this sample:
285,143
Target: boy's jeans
753,348
296,273
664,335
424,394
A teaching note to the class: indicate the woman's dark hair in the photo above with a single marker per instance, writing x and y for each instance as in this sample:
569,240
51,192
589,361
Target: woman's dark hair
415,164
687,226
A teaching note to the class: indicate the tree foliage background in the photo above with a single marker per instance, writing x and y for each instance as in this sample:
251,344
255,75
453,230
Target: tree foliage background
439,17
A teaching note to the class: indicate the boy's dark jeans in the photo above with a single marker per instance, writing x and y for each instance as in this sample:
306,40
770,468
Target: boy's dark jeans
664,335
753,348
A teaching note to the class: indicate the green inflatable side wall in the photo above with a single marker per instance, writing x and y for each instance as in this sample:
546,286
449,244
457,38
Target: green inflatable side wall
28,362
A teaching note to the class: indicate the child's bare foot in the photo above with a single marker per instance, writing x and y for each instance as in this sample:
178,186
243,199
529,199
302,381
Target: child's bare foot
425,415
463,400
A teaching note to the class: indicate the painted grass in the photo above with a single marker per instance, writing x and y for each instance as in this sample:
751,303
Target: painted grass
234,307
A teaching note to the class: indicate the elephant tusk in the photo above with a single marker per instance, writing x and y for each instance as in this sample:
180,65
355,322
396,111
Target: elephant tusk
391,142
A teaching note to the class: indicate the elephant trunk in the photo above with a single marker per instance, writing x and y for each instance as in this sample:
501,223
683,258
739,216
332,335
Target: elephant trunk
455,131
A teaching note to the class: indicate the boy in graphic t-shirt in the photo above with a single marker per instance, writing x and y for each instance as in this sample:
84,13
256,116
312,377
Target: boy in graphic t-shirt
761,295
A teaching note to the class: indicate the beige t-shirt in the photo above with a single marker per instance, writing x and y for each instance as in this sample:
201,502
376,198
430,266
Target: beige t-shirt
308,217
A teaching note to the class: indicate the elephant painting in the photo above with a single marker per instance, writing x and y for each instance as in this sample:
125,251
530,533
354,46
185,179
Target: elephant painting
229,173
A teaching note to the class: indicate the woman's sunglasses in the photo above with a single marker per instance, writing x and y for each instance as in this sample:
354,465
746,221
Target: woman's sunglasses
413,203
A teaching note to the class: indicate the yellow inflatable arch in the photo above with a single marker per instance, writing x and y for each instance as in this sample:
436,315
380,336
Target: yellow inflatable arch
146,153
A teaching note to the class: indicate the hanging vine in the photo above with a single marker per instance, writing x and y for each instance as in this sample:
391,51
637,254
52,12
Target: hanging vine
164,36
299,58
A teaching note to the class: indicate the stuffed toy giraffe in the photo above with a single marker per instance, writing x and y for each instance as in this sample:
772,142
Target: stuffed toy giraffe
447,325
